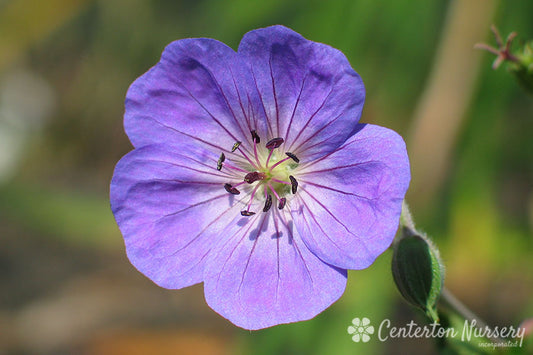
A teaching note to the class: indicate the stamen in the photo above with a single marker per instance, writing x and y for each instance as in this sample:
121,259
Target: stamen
279,162
292,156
274,143
289,156
232,190
252,197
273,191
281,181
268,159
294,184
263,174
255,148
230,166
268,203
254,176
220,161
246,157
255,137
235,146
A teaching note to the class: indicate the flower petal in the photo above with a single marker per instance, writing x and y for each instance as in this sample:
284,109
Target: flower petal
312,96
264,275
349,202
200,88
169,204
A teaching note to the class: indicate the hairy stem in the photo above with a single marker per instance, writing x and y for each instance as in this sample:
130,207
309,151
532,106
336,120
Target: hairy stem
451,302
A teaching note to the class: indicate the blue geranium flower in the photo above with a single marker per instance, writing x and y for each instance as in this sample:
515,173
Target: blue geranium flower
251,174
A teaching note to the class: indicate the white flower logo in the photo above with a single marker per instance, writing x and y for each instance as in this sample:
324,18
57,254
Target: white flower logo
361,329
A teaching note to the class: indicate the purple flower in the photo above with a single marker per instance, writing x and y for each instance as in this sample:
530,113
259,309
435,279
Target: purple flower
251,174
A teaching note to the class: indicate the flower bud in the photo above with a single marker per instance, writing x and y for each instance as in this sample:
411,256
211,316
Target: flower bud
418,271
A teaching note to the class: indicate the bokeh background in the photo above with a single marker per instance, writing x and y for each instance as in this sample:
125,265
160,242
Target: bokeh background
66,286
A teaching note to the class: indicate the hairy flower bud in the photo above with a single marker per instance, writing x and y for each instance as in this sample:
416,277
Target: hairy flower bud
418,271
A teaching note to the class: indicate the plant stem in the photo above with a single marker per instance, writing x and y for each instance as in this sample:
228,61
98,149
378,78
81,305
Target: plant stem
446,297
451,302
406,218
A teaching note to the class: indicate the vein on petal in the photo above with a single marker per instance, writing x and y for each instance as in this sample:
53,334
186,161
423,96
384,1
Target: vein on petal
336,219
310,172
222,93
216,120
203,230
318,225
310,119
229,239
252,251
263,104
277,250
240,102
339,191
219,174
336,150
274,92
330,122
189,207
296,105
284,221
187,135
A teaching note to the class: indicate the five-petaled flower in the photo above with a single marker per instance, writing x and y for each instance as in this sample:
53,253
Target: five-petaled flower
251,174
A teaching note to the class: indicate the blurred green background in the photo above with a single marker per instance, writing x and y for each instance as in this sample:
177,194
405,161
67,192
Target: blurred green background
65,65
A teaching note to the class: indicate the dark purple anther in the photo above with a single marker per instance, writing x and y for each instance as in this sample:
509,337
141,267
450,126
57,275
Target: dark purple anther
292,156
255,137
282,202
220,161
294,184
274,143
268,203
247,213
231,189
254,176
